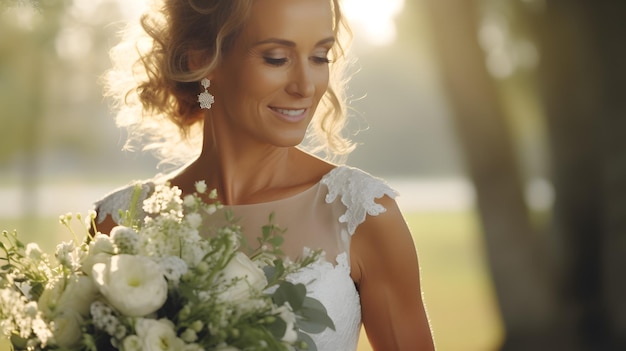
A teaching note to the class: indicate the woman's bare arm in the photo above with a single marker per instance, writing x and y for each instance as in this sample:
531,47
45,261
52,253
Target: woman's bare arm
385,268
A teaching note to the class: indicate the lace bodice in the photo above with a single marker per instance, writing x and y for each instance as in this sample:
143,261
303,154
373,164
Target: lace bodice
324,216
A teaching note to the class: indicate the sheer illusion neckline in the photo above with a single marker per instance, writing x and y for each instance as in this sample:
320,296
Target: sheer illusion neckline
311,189
289,198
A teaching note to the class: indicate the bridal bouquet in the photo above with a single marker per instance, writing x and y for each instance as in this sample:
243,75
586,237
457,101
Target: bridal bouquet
156,284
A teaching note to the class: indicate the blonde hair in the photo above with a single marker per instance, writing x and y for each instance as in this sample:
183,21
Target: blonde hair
155,90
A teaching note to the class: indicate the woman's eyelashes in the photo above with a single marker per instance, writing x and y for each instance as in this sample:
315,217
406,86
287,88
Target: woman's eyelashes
274,61
321,59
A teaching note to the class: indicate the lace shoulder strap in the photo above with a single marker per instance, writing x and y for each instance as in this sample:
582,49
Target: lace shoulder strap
122,198
357,191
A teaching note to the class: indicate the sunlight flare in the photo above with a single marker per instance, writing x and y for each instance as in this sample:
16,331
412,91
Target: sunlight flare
373,19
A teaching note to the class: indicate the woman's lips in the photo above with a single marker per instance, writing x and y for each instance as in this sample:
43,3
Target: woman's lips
290,114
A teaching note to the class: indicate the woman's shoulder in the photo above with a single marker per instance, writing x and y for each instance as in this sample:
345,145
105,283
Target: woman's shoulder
358,191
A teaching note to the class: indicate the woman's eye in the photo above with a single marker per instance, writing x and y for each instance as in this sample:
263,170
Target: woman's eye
321,59
275,61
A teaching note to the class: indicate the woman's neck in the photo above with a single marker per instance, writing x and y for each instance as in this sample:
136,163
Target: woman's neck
242,174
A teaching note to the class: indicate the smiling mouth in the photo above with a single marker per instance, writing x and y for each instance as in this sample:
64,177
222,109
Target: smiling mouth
289,112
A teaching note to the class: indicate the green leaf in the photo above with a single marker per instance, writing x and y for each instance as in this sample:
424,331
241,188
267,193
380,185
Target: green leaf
270,272
314,317
277,328
276,241
292,293
303,337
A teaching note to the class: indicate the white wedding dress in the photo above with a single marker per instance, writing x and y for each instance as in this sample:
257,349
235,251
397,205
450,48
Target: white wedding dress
322,217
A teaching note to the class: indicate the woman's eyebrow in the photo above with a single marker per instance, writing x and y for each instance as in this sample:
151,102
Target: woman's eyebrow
289,43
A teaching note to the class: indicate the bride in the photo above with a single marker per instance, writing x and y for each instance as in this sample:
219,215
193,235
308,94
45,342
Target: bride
230,89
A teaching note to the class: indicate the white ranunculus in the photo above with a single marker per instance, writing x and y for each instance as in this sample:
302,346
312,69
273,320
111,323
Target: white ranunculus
249,275
100,251
80,292
286,314
67,328
101,243
93,259
158,335
134,285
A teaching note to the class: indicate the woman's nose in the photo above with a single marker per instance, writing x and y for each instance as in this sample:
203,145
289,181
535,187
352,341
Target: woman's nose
302,80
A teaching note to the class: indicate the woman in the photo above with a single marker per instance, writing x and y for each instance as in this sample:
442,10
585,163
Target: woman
247,77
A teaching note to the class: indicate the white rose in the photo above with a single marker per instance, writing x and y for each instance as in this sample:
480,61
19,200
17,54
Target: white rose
93,259
249,274
79,293
286,314
67,328
134,285
157,335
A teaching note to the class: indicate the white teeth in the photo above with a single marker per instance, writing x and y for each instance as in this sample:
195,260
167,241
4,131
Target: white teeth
289,112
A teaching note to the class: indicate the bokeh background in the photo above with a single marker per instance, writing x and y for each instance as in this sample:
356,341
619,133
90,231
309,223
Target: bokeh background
501,123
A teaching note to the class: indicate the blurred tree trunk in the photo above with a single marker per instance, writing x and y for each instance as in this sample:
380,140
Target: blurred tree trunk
583,81
520,275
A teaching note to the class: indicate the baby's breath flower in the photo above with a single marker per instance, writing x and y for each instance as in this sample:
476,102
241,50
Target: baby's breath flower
201,186
64,252
211,209
31,309
164,199
173,268
33,252
213,194
194,220
125,239
189,201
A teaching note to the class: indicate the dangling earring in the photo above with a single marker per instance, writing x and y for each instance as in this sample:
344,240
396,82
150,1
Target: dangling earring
205,98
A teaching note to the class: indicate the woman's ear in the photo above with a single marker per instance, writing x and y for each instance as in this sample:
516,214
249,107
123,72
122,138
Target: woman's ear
196,59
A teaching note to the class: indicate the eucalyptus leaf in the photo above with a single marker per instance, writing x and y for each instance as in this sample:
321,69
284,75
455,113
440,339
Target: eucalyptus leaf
289,292
314,317
278,328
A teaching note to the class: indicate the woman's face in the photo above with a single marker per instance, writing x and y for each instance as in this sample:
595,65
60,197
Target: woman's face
270,82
